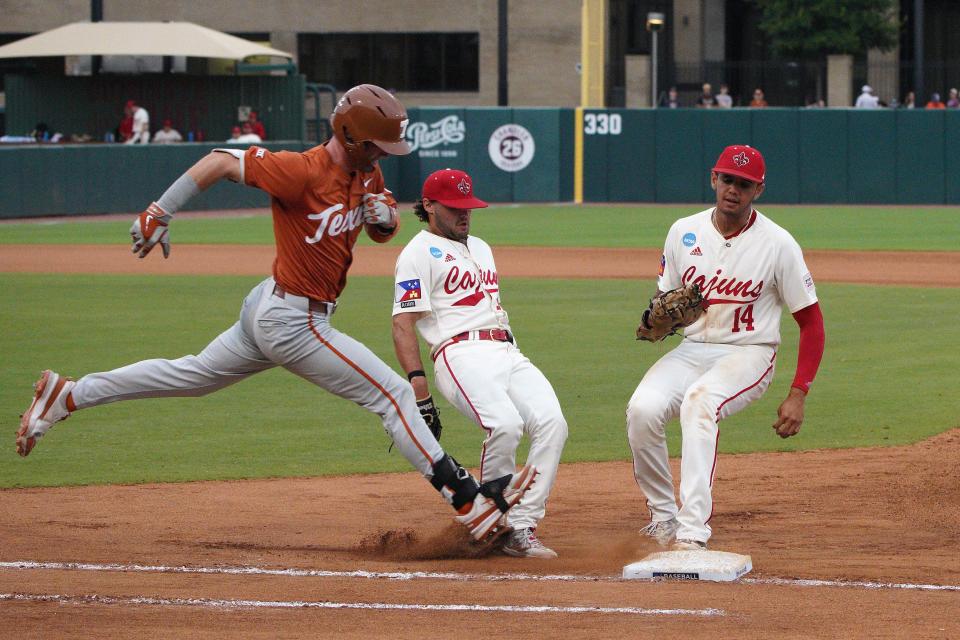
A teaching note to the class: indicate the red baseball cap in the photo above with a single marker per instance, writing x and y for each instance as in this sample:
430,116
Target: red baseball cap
452,188
742,161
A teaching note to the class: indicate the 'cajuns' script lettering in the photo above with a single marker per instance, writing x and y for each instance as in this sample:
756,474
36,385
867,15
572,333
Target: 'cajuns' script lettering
720,288
467,281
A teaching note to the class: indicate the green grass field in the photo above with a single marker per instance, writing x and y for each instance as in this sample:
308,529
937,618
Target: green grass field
814,227
882,382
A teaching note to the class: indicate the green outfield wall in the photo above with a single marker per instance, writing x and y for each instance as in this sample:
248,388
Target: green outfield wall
84,179
813,155
512,154
536,155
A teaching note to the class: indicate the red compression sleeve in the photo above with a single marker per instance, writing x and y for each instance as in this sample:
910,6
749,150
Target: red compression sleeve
812,338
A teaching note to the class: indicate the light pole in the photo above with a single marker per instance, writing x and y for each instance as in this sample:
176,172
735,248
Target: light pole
655,23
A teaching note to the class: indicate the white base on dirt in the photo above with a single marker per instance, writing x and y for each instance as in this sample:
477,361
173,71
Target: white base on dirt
715,566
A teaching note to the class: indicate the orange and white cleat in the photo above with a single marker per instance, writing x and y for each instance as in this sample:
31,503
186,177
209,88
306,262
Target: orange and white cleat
486,517
49,406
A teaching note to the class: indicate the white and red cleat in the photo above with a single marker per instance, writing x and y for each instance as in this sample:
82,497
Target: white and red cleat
49,406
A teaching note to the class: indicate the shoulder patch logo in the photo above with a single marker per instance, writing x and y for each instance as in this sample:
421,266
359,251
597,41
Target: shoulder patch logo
696,252
689,239
663,264
436,253
408,290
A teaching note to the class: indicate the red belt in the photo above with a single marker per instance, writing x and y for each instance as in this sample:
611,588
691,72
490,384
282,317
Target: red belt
316,306
497,335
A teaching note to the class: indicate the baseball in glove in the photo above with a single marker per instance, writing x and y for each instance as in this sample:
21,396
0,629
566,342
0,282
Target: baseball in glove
670,311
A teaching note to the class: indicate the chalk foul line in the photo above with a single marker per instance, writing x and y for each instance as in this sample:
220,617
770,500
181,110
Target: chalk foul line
211,603
429,575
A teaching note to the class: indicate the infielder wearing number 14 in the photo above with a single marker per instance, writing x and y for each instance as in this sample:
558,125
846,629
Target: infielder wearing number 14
744,268
321,199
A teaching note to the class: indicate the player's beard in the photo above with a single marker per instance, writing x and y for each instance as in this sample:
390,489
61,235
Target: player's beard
452,228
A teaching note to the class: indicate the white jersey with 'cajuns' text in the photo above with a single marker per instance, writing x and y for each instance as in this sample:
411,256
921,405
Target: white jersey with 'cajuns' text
456,283
746,278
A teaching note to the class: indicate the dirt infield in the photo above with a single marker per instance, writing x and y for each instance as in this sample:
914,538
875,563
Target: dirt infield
879,523
848,543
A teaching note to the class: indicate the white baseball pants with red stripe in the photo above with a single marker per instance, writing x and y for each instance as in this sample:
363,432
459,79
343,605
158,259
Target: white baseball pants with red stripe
283,332
497,387
702,383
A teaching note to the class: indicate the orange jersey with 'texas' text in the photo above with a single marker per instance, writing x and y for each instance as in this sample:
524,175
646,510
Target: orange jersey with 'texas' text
317,216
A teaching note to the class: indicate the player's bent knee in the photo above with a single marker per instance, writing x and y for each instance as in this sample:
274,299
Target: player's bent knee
643,413
507,435
697,406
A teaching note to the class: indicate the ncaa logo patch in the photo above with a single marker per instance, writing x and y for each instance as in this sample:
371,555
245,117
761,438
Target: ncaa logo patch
436,253
689,239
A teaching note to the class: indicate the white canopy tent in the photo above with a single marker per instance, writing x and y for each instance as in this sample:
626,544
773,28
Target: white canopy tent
137,39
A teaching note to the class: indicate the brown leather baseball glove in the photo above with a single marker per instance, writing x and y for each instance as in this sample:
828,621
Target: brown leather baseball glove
670,311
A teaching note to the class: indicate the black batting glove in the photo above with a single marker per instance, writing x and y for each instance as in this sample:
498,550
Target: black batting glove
430,415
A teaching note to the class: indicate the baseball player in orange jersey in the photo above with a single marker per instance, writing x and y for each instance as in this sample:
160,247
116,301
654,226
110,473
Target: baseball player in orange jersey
321,199
447,288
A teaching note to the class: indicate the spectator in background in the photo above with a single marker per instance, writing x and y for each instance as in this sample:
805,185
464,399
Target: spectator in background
815,103
758,100
866,99
953,102
125,129
723,99
167,135
141,123
935,102
670,100
244,135
248,134
706,100
909,101
257,126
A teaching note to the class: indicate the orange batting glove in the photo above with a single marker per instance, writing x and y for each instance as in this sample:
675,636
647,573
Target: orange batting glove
150,228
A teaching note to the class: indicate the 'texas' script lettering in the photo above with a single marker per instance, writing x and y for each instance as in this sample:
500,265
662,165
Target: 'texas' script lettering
467,280
718,287
333,223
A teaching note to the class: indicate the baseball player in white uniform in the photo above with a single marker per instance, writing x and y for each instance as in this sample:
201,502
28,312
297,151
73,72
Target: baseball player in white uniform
322,200
747,268
447,288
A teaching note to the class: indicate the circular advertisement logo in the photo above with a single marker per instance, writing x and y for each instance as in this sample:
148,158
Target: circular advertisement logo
511,147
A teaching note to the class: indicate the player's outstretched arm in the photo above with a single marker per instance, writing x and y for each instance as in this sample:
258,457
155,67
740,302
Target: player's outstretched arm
408,354
152,226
